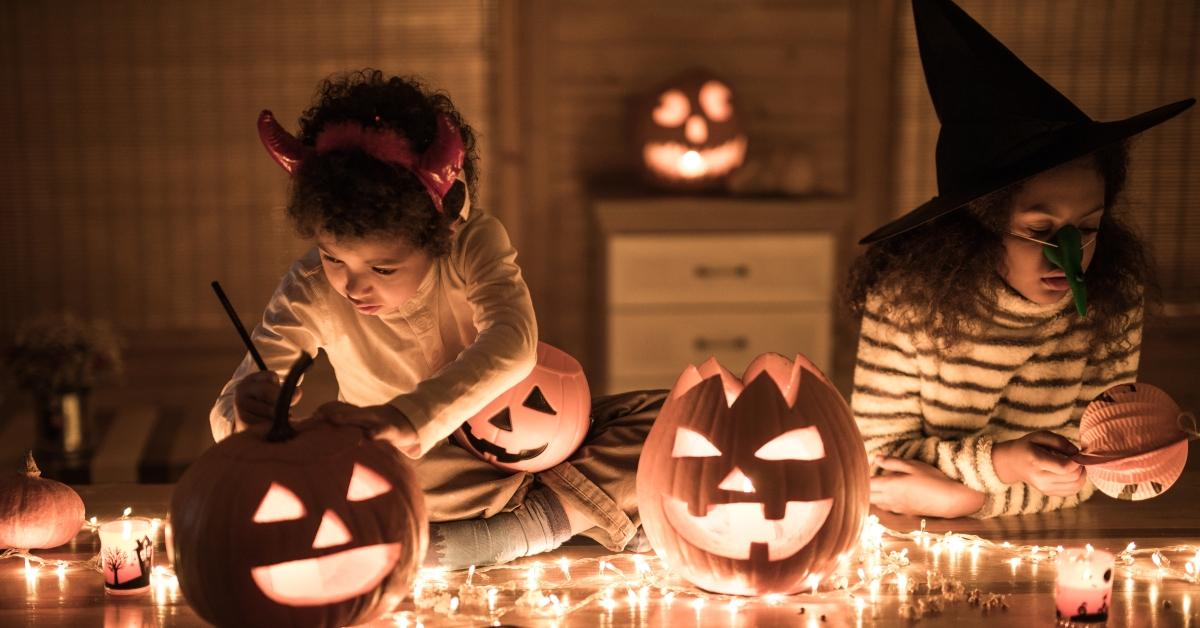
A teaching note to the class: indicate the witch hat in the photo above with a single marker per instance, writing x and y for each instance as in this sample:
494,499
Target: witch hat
1000,121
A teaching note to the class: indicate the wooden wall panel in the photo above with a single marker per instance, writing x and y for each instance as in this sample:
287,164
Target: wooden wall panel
133,175
582,63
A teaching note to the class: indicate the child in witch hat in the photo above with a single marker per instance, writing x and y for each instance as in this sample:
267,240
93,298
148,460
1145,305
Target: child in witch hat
994,312
419,304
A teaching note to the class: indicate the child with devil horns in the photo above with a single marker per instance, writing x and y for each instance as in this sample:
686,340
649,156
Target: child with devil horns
996,311
418,302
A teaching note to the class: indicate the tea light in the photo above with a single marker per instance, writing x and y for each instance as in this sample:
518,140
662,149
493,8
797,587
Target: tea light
1084,585
127,555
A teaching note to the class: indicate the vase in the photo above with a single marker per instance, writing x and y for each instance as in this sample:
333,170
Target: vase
64,434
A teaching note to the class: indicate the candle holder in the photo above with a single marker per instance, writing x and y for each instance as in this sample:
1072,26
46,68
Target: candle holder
127,555
1083,587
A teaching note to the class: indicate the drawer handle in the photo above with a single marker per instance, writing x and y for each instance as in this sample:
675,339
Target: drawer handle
705,272
737,343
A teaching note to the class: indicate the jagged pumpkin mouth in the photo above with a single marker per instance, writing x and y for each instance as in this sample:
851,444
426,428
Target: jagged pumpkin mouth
730,530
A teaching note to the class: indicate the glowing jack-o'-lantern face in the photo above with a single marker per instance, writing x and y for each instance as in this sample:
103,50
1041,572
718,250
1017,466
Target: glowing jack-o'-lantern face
537,423
332,577
749,486
689,133
327,528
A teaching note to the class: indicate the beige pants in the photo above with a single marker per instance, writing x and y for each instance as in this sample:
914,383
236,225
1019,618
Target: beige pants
597,480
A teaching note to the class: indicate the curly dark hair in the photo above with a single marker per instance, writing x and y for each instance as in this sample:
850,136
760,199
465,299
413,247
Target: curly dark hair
350,194
922,270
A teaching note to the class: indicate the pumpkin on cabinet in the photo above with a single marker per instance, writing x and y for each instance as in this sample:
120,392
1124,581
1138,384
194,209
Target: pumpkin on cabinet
689,133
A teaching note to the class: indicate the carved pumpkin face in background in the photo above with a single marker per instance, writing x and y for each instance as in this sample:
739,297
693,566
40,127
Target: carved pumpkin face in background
537,423
689,133
749,488
326,528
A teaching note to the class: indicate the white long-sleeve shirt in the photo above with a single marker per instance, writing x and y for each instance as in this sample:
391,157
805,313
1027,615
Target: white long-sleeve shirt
1031,367
467,335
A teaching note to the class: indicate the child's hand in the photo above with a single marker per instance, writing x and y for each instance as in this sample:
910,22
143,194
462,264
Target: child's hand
1042,460
910,487
383,422
254,399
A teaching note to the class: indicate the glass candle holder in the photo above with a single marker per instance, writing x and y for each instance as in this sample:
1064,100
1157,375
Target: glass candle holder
127,555
1084,586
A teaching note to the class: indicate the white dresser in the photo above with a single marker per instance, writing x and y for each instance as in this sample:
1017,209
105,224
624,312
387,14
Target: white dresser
688,278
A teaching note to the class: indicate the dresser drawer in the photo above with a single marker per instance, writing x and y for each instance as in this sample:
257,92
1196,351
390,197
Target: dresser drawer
657,346
728,268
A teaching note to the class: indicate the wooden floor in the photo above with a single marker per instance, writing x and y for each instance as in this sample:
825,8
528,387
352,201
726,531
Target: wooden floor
628,594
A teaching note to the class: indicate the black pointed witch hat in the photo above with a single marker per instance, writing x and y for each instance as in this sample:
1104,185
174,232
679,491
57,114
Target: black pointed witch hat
1000,121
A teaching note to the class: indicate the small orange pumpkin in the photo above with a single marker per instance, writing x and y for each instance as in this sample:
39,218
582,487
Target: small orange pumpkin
312,525
750,486
37,512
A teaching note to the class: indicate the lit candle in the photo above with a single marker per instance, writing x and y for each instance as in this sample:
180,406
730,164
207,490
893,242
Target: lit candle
1084,585
127,555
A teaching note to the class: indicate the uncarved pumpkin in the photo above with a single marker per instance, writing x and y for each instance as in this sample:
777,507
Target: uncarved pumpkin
37,512
749,486
312,525
537,423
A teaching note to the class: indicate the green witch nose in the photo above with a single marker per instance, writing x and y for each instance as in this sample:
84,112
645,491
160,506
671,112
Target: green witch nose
1069,257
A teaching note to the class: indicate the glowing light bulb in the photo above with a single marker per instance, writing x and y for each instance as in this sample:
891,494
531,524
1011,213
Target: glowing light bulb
691,165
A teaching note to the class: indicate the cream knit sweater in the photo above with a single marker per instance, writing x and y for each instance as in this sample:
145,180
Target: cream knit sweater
1031,367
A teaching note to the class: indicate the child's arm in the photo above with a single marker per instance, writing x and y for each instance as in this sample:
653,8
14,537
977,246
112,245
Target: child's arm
289,326
887,407
504,350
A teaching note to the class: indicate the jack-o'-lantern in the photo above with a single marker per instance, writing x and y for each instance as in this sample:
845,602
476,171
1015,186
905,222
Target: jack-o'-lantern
689,133
750,486
537,423
312,525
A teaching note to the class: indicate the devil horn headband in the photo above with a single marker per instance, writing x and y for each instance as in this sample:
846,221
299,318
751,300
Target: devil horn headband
437,168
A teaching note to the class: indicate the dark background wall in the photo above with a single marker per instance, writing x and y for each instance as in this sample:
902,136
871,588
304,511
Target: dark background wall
133,176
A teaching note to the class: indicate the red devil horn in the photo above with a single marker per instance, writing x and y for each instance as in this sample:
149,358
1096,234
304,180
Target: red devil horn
443,160
283,147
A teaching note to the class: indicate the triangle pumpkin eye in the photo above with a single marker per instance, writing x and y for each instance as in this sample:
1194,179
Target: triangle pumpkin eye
537,401
800,444
691,444
365,484
279,504
502,420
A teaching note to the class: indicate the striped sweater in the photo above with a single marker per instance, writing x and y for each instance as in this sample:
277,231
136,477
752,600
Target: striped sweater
1029,367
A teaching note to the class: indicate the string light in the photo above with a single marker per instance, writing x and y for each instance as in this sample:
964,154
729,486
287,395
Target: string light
880,558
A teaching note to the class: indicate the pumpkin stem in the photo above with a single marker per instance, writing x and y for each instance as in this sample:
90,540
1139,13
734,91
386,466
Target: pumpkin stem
281,429
31,468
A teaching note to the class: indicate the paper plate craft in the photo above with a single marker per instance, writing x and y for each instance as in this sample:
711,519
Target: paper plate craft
1133,439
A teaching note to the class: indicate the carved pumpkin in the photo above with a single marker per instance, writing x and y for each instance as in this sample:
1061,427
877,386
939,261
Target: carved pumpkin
37,512
537,423
689,133
749,486
316,525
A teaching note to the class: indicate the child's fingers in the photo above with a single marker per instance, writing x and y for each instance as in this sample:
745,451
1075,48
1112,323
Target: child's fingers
897,465
1053,441
1054,462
